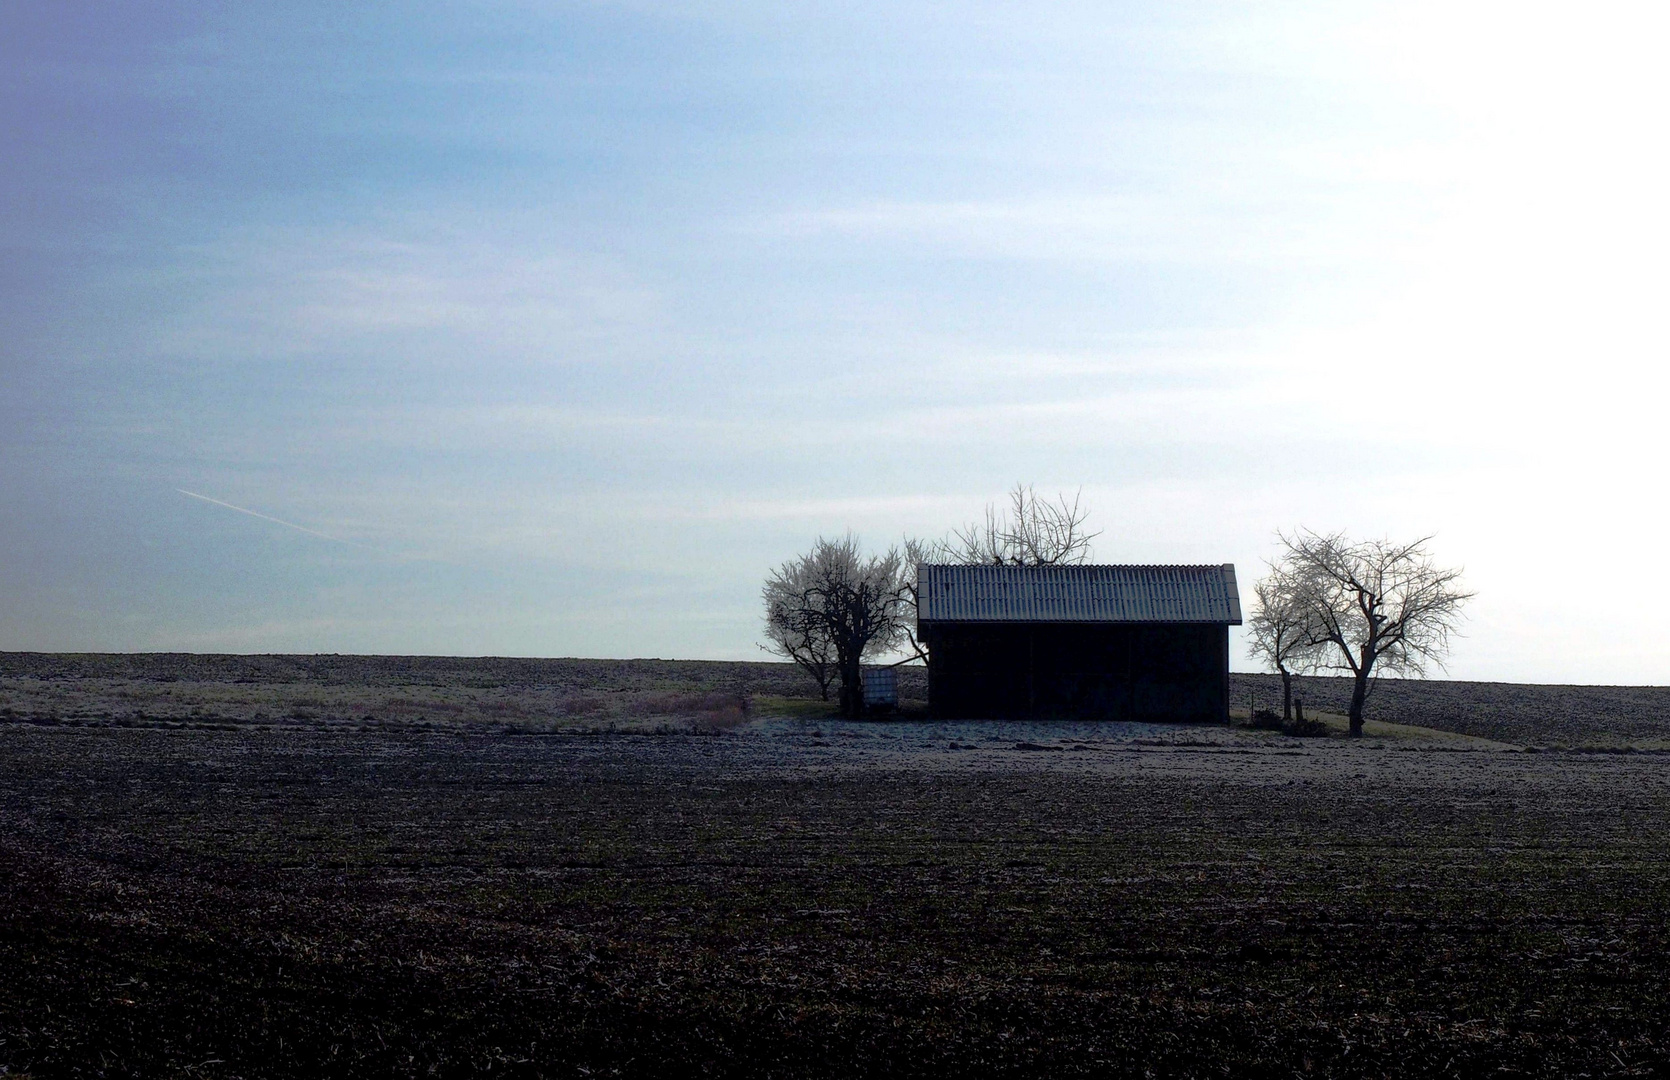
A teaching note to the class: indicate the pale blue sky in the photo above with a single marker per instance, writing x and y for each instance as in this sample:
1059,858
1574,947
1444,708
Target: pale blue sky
557,325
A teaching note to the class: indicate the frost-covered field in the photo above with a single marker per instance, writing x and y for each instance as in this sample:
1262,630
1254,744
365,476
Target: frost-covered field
771,892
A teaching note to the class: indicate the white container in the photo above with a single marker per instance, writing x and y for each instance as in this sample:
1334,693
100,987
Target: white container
881,687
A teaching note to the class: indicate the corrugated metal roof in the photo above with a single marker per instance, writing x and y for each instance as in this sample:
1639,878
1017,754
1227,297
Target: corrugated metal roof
1125,594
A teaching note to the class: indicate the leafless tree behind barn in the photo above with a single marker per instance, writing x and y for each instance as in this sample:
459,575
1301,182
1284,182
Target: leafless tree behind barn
1032,532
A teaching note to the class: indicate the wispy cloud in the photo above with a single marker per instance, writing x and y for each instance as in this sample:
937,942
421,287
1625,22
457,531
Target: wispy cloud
275,521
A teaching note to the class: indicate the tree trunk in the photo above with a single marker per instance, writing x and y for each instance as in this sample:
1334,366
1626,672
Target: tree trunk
1286,695
852,689
1359,693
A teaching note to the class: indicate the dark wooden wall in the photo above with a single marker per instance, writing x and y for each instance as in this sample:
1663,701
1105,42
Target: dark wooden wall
1149,672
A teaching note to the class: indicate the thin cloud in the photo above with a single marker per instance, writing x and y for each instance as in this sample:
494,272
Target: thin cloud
275,521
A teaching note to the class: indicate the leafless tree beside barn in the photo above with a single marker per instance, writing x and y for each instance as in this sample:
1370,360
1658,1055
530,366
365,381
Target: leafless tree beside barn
794,625
1371,607
834,607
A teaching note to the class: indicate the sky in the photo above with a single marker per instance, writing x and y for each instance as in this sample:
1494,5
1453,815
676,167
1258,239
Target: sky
548,329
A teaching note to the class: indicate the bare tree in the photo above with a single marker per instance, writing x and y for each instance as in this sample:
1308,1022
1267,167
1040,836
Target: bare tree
1284,630
1033,532
794,630
1382,606
850,606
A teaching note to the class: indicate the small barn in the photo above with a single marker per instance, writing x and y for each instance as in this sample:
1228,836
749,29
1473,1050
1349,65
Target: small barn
1146,643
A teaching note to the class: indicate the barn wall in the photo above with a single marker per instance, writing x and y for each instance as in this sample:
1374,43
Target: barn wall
1148,672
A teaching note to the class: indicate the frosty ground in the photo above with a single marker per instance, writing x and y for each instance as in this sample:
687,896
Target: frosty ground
777,893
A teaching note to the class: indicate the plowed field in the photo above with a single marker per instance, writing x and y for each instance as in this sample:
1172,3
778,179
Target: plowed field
718,890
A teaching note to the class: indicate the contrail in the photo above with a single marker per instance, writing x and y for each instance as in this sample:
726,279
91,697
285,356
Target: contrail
275,521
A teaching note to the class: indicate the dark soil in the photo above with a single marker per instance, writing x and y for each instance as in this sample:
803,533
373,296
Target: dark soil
813,898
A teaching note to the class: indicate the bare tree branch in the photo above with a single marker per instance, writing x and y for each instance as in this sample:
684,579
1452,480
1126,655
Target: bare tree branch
1034,532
